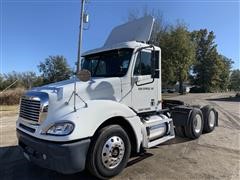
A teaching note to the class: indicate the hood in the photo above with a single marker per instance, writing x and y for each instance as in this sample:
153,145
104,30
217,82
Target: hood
96,88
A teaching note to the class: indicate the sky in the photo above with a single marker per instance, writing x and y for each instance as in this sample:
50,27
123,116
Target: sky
32,30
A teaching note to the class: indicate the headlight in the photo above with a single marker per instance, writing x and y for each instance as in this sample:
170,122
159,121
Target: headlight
61,129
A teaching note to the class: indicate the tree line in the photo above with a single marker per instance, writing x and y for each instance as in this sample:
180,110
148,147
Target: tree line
186,56
52,69
55,68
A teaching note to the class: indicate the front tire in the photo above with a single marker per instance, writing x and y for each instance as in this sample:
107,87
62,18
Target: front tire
109,152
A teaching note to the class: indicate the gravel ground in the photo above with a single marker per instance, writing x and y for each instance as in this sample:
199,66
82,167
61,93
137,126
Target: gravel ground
213,156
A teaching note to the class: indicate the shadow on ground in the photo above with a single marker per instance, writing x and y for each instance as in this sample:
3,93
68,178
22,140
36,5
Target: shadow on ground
228,99
13,165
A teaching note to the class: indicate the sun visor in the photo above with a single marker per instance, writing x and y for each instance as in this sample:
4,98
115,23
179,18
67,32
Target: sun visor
137,30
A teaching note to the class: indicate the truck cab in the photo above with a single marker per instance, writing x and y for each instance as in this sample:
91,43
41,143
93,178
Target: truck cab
134,67
116,113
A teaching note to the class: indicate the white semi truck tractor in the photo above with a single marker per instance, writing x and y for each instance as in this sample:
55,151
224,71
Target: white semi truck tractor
111,111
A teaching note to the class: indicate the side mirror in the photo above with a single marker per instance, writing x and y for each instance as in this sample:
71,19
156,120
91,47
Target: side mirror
153,59
84,75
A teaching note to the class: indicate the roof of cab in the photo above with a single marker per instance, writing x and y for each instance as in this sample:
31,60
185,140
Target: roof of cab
131,44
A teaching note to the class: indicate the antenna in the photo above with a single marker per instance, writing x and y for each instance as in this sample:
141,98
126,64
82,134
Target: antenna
80,36
84,18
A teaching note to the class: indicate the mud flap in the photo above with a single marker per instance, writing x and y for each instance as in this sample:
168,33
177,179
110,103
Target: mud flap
181,115
216,113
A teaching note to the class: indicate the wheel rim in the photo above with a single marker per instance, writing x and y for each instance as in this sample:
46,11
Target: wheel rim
211,119
197,123
113,152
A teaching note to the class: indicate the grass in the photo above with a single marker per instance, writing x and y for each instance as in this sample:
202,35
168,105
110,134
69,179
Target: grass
11,96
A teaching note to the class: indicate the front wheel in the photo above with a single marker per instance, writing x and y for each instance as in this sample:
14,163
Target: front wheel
109,152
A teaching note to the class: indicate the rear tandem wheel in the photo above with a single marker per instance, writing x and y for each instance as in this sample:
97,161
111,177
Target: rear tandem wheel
194,128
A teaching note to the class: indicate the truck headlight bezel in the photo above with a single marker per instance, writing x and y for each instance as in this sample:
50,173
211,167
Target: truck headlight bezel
61,128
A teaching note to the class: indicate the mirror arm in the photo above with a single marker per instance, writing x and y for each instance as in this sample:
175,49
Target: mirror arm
153,64
141,48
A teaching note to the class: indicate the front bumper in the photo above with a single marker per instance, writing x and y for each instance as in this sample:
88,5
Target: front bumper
66,158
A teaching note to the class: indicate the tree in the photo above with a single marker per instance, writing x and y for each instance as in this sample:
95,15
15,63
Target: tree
28,79
211,70
168,68
13,79
38,81
205,67
224,66
1,82
54,68
235,80
181,53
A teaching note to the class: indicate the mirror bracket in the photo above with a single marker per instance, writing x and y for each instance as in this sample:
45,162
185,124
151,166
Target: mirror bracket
153,58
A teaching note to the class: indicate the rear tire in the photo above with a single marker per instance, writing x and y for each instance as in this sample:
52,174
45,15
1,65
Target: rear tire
210,118
109,152
195,125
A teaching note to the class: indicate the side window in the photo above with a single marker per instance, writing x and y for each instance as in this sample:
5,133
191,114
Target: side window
143,63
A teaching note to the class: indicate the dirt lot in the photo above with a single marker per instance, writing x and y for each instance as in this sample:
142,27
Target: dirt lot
212,156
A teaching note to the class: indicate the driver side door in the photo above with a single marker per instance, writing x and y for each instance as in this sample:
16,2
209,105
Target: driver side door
145,90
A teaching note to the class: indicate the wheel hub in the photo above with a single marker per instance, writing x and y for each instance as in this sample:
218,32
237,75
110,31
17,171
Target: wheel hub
113,152
197,123
211,119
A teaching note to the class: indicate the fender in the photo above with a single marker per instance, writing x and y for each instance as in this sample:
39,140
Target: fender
97,112
181,115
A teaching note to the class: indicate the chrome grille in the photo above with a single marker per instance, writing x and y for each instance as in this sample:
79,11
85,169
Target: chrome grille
34,107
30,109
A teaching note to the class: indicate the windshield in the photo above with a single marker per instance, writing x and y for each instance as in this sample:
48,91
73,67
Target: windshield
112,63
